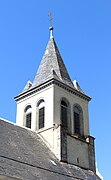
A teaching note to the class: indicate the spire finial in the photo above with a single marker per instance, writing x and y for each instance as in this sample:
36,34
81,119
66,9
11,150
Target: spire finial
50,28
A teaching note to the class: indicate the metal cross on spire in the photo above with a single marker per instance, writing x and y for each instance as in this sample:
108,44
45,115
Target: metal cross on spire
50,18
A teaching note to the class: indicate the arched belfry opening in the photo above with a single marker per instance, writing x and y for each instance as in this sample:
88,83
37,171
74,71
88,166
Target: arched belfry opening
64,114
78,127
41,114
28,116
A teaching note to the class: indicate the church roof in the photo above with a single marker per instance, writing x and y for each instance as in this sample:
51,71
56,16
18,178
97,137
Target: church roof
52,65
23,155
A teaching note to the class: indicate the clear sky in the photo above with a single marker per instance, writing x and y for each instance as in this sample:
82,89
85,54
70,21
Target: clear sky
82,30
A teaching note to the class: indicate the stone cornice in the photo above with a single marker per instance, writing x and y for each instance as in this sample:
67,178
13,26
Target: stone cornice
48,83
72,90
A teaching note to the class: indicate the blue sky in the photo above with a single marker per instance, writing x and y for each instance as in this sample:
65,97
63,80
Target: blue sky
82,30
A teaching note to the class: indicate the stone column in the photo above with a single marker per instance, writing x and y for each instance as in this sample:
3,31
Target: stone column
63,144
91,154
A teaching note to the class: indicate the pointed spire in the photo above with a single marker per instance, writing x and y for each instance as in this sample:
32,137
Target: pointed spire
52,60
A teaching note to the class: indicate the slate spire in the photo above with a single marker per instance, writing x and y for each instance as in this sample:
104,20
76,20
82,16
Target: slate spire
52,65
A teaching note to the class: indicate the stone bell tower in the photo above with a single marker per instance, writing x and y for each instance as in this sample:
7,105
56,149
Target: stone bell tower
57,109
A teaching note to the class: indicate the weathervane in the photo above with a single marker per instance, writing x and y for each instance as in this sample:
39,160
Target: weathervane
50,18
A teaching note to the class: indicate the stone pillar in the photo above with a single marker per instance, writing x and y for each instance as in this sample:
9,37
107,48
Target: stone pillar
91,154
63,144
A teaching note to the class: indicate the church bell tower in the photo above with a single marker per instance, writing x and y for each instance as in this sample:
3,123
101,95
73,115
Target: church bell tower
57,109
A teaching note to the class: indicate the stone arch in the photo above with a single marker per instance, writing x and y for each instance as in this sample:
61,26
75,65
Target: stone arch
27,107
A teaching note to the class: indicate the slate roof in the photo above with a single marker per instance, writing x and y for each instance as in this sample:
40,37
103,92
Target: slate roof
52,66
23,155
